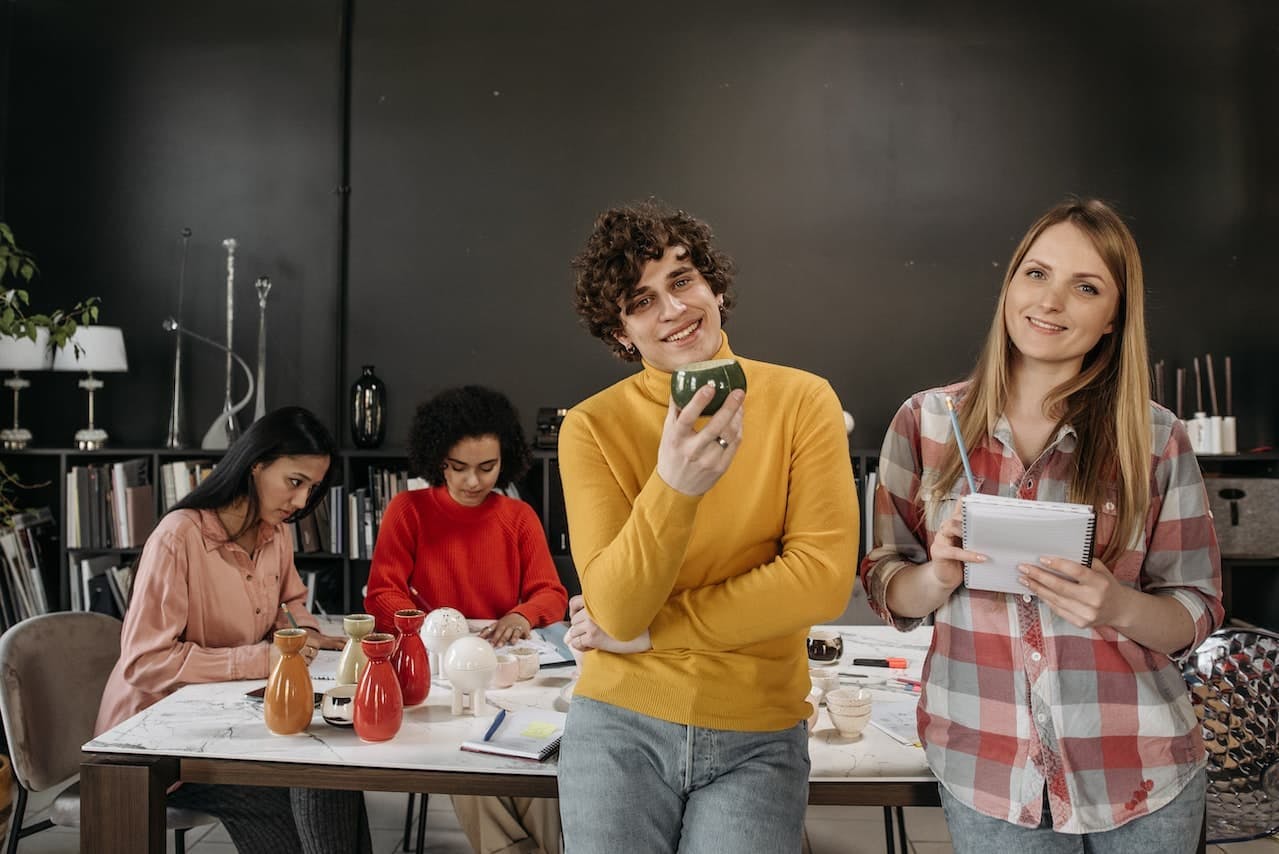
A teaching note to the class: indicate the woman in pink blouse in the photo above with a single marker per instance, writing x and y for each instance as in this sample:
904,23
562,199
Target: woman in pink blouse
1056,718
207,598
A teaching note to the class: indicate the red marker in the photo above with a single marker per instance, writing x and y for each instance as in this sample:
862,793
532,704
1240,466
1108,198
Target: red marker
894,663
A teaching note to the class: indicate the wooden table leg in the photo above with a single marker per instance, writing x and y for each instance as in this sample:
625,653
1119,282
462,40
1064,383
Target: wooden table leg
122,807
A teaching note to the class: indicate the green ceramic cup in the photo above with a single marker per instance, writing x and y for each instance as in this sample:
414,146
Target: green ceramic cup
724,374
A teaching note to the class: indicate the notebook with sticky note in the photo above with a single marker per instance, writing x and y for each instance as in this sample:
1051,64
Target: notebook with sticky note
1012,531
525,732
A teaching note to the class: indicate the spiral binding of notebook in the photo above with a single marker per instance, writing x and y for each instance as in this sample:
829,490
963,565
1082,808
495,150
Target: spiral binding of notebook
1012,531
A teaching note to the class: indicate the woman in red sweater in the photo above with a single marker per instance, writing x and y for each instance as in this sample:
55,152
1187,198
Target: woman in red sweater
461,545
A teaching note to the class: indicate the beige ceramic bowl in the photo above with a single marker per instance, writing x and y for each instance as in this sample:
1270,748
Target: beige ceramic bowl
849,725
849,700
824,679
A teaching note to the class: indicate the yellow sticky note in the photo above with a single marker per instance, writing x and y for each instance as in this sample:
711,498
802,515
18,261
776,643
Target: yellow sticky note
538,729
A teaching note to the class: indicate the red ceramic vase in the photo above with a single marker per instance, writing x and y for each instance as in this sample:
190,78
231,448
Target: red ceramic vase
411,665
379,705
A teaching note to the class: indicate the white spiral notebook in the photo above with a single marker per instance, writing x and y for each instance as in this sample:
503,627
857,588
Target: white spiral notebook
1011,531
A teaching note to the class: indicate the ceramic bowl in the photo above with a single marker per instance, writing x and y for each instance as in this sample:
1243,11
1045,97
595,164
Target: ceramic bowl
528,661
824,680
338,705
849,725
724,374
825,646
814,700
849,700
508,670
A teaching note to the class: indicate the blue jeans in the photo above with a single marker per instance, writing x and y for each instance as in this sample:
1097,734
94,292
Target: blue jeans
1171,829
632,783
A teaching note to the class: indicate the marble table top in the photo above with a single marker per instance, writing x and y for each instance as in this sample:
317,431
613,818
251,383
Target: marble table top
217,721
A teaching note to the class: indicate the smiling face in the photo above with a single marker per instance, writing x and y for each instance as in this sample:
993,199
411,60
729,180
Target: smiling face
672,316
1060,301
284,485
471,469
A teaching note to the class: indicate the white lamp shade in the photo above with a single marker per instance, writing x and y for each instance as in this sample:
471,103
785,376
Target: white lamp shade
23,354
103,350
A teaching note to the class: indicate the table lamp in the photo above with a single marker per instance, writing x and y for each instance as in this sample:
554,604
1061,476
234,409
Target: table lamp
22,354
92,348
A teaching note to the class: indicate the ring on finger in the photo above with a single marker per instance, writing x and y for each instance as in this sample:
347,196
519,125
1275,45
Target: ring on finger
722,442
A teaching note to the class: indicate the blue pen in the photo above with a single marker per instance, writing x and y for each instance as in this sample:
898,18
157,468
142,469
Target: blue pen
959,442
497,721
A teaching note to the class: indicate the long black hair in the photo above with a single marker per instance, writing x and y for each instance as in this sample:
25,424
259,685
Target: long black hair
287,432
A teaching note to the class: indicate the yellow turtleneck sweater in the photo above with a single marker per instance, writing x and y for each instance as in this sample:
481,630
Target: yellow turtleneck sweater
727,583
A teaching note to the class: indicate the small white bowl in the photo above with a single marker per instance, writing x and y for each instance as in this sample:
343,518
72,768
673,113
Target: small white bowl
848,725
338,706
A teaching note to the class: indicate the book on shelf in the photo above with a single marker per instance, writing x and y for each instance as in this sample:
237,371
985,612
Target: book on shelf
132,501
19,582
95,585
524,732
308,533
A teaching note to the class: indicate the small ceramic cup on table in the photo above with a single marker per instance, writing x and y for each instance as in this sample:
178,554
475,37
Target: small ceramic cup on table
508,670
824,679
527,659
338,705
825,646
849,710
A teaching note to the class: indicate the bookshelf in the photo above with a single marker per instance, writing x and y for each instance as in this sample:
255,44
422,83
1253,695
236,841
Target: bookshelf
338,577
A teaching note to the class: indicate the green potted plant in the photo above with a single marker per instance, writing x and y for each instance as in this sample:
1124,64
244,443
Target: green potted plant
17,269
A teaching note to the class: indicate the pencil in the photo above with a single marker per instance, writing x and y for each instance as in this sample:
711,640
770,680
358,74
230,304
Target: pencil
289,614
959,443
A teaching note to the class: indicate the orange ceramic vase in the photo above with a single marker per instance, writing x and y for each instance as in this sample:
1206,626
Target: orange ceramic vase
289,703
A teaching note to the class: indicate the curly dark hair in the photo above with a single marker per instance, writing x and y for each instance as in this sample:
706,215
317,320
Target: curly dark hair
623,240
462,413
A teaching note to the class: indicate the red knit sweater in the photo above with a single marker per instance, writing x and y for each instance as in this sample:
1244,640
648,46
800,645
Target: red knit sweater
485,561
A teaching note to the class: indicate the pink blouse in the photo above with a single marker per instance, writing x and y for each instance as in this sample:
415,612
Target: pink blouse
202,610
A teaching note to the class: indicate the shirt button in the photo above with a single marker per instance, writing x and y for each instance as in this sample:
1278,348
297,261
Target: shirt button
1109,506
257,610
1026,597
1034,656
1041,717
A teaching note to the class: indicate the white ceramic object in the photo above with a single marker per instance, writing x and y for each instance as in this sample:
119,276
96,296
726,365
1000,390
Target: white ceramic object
848,699
441,628
814,699
528,660
849,725
338,705
824,680
470,663
508,670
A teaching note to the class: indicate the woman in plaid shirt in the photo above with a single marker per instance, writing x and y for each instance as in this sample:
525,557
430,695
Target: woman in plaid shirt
1057,719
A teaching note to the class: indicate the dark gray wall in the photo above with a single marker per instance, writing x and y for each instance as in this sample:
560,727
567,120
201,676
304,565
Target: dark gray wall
870,167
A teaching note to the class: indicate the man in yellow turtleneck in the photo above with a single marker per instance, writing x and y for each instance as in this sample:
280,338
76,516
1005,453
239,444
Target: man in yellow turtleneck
706,548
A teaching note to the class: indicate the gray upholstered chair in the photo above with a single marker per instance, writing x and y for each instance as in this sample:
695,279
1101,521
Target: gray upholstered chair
52,672
1234,687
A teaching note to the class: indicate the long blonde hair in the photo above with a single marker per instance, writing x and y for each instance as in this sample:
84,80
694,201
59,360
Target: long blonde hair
1107,402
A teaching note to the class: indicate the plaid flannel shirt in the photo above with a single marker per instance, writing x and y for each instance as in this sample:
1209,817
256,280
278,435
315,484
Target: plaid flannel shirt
1017,701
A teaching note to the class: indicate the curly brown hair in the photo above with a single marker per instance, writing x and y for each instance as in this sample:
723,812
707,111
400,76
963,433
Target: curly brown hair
623,240
462,413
